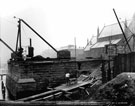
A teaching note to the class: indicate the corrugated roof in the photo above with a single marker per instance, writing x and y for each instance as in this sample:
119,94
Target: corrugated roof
102,44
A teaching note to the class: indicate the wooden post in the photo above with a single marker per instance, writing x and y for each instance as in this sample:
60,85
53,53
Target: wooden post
103,72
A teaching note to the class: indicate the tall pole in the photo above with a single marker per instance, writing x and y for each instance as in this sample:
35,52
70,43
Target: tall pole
122,31
21,20
39,35
0,27
7,45
133,43
75,59
75,47
20,33
0,45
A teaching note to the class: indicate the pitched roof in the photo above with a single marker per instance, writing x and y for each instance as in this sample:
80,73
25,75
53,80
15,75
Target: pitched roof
91,43
87,48
102,44
107,31
113,29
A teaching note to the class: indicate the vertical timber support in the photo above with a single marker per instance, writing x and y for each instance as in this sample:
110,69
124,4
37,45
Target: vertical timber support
103,72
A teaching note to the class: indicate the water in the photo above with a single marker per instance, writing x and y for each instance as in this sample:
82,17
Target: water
4,94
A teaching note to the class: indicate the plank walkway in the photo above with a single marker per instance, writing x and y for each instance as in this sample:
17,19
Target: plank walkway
57,90
67,88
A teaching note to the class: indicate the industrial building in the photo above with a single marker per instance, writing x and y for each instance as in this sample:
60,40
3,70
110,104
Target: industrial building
112,34
75,51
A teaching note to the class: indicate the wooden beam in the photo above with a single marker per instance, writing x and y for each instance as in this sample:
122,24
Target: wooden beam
39,95
57,103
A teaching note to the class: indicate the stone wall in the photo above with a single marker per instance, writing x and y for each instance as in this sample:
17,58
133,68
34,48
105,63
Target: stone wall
37,75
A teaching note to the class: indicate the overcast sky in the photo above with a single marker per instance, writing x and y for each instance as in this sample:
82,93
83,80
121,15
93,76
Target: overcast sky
59,21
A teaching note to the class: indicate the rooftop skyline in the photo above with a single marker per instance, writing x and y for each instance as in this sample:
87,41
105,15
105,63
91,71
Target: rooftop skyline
59,21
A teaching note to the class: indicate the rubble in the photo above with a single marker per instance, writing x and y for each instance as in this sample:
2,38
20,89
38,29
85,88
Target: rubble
119,89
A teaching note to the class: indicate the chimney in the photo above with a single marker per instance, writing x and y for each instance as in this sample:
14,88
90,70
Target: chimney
30,49
126,29
87,41
30,43
97,33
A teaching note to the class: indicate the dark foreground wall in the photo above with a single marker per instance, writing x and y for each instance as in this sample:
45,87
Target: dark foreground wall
124,63
55,103
115,66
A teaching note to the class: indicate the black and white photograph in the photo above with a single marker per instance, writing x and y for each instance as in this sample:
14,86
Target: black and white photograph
67,52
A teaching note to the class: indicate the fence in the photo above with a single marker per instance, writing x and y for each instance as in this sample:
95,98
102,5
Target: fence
120,63
124,63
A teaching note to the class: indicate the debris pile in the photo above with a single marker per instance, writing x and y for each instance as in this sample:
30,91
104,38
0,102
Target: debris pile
121,88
